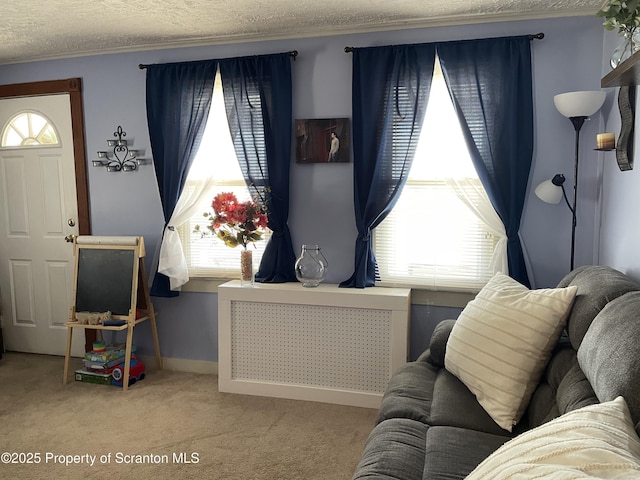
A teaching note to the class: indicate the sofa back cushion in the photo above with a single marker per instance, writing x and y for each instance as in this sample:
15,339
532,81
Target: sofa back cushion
438,343
563,388
597,286
598,358
609,354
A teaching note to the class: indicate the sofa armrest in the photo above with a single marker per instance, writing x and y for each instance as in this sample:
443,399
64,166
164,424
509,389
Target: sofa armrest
438,343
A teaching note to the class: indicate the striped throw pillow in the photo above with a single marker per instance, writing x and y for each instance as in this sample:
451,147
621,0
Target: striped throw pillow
502,341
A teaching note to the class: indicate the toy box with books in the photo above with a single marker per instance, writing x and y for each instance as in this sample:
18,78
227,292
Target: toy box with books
105,365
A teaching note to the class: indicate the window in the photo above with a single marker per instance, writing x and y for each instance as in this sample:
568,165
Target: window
216,159
27,129
432,237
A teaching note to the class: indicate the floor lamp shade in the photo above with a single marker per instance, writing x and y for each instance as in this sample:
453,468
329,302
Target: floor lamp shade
579,104
549,192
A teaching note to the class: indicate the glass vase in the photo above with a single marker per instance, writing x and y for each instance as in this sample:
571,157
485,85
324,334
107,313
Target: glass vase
629,45
311,266
246,268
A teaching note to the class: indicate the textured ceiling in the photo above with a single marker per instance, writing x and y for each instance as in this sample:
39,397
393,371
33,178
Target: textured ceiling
39,29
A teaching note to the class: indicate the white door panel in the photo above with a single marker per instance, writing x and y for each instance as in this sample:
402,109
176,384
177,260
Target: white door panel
38,190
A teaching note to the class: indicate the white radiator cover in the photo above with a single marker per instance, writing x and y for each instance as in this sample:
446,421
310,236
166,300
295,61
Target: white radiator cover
326,344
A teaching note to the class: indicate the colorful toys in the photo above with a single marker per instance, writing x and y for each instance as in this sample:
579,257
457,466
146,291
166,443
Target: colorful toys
136,372
105,365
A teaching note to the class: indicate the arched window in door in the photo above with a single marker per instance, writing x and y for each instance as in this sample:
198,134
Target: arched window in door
26,129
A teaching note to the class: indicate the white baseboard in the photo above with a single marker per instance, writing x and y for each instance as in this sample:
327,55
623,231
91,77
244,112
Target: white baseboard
183,365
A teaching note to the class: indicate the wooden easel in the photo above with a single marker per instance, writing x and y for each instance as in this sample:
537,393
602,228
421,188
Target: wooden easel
110,276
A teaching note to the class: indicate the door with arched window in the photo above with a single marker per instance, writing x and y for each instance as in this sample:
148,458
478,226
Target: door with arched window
39,209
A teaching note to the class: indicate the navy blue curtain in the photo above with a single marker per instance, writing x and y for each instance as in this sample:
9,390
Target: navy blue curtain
491,85
178,102
257,94
390,88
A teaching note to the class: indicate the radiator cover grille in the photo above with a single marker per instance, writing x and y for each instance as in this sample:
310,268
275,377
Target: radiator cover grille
324,344
345,348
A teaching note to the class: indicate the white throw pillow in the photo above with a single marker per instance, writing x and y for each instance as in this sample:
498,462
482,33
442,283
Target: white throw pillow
502,341
597,441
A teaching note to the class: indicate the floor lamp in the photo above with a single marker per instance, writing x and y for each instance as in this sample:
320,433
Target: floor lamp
577,107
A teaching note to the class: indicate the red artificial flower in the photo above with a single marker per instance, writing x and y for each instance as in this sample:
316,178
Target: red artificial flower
261,220
236,223
224,203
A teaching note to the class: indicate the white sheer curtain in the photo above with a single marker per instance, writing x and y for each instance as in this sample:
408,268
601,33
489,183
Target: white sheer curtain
172,261
471,192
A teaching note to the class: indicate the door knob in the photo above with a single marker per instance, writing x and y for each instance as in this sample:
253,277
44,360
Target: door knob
71,222
69,238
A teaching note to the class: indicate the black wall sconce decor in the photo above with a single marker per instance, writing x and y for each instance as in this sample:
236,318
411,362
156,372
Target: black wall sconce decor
121,158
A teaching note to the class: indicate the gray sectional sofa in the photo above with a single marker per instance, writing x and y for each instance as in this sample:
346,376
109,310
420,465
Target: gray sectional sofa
431,426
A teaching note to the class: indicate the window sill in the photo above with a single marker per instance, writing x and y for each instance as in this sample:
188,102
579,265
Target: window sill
419,295
437,296
204,284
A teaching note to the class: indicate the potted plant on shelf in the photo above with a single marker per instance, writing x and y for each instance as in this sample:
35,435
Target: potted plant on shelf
625,17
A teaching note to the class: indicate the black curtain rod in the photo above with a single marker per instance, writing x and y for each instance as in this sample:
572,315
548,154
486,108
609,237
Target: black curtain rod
533,36
293,54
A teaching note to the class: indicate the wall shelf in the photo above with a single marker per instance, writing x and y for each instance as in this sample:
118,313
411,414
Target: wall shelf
625,74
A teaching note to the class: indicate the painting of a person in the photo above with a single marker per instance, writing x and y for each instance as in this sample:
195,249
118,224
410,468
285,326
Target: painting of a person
322,140
335,146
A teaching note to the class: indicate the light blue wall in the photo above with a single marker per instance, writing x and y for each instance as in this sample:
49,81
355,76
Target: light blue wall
569,58
620,228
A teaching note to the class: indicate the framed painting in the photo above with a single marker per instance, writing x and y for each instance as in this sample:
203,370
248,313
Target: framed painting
322,140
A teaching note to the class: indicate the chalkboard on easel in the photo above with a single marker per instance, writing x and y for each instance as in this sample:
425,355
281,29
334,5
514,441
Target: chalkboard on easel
110,277
107,275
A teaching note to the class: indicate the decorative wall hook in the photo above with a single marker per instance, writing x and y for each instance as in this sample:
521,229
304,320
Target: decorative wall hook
121,158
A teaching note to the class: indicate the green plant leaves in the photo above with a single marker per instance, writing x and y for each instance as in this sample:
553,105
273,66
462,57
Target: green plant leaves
620,14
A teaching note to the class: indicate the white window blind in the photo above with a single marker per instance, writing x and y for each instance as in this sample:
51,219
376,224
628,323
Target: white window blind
432,238
208,256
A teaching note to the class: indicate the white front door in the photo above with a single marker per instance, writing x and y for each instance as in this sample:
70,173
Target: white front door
39,208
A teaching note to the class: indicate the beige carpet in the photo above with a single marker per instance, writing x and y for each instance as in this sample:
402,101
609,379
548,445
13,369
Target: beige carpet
165,418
